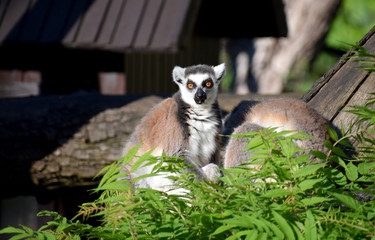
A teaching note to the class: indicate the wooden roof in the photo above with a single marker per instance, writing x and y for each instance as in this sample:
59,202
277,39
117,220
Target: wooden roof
130,24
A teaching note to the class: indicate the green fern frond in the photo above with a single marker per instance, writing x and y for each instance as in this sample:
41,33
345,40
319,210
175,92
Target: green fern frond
362,56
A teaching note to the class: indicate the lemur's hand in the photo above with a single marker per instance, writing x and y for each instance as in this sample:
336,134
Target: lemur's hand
212,172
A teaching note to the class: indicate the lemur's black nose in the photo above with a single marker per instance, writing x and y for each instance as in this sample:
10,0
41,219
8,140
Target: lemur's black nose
200,96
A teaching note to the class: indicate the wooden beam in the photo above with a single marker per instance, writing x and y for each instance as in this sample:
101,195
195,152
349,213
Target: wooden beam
128,23
91,23
148,24
12,21
171,22
109,23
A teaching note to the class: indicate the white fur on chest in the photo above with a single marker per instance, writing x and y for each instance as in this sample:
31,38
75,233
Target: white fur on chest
203,133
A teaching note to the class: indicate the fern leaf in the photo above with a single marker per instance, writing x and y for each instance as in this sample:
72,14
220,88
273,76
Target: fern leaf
309,169
142,159
284,225
11,230
348,201
310,227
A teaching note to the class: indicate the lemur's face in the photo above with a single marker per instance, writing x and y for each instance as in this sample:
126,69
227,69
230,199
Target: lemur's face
199,84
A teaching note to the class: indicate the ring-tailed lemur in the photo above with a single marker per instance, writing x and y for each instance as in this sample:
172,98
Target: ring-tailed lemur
285,114
186,125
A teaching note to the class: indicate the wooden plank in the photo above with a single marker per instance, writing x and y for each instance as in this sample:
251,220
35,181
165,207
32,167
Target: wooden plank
359,98
74,20
170,24
57,17
34,20
328,75
148,23
3,7
12,21
128,24
336,92
334,95
130,73
109,22
92,21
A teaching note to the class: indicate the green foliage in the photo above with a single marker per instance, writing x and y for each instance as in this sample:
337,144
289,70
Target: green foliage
365,58
353,20
289,197
62,229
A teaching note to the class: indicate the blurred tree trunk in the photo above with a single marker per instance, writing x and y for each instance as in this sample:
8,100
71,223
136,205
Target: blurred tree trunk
272,59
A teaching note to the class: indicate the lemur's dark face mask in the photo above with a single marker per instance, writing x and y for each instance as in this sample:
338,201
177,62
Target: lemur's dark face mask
200,96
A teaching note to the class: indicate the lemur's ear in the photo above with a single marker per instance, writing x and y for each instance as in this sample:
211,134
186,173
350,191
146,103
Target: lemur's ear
219,71
178,74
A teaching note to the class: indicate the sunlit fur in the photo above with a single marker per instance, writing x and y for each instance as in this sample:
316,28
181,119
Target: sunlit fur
285,114
181,127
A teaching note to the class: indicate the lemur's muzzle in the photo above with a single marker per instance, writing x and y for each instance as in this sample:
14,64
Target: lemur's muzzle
200,96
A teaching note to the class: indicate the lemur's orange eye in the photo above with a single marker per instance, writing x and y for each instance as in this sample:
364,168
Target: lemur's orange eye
208,84
190,85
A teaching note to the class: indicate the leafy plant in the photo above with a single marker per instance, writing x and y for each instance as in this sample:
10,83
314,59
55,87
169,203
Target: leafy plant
361,55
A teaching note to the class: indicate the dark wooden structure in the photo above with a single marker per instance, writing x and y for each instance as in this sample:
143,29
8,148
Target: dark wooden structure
115,25
133,25
70,41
